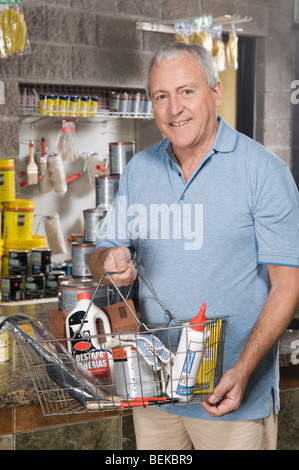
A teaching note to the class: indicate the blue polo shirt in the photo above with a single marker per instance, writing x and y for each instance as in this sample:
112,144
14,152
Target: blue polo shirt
209,240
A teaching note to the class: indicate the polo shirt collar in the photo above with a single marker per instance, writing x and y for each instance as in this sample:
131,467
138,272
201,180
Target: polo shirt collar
226,138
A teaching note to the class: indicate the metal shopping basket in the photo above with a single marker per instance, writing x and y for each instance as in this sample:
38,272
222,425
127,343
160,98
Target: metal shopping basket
139,364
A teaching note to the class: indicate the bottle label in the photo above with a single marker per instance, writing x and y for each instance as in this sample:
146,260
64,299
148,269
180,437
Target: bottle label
183,388
94,359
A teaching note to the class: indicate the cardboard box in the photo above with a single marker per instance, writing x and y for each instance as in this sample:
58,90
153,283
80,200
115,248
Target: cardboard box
120,318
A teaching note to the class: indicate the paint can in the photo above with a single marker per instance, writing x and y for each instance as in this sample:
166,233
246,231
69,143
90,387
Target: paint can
134,377
12,288
92,223
120,153
35,286
7,180
69,290
41,260
19,262
80,258
52,283
18,219
106,189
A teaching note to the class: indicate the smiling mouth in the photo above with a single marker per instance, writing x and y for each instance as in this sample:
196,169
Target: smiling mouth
179,124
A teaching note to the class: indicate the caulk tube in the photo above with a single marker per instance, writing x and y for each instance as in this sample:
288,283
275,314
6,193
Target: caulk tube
84,346
188,358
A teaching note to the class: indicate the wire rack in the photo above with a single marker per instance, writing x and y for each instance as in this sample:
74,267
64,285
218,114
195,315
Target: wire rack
29,99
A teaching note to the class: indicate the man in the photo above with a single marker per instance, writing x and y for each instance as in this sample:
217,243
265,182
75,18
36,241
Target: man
236,248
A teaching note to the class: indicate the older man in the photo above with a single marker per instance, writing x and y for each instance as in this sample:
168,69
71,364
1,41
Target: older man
237,250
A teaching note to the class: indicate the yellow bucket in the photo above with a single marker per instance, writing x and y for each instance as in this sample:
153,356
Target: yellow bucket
18,219
1,253
7,180
35,241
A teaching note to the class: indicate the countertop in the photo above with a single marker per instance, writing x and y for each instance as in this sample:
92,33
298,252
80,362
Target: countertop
16,387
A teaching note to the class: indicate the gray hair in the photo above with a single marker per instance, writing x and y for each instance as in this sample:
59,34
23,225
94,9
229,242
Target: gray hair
177,49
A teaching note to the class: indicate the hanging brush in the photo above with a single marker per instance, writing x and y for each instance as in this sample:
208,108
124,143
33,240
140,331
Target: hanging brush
32,169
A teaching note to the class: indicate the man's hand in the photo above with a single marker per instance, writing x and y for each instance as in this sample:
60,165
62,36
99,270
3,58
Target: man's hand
113,260
227,395
278,311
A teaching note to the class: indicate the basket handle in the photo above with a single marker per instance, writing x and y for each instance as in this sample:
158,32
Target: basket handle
108,274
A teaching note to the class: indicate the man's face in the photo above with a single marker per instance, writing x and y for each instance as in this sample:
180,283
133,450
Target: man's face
184,105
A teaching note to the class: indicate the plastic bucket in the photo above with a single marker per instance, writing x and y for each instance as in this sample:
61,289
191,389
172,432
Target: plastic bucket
7,180
35,241
18,219
1,253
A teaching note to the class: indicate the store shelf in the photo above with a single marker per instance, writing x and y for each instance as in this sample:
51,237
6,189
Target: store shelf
168,26
29,101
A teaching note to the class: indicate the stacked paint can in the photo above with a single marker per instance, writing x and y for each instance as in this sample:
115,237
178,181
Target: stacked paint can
17,240
81,279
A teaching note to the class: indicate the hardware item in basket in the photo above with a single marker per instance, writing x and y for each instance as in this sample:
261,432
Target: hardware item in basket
84,345
188,358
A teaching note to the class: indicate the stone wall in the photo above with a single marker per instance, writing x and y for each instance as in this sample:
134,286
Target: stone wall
96,42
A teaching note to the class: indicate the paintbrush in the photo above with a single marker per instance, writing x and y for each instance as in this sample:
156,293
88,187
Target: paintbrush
32,169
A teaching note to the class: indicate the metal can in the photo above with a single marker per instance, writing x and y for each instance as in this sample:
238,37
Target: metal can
80,258
35,286
92,223
134,377
120,153
69,290
94,104
41,260
106,188
123,103
12,288
19,262
114,102
52,283
63,101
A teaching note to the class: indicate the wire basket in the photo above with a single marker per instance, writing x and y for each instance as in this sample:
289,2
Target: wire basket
133,379
123,370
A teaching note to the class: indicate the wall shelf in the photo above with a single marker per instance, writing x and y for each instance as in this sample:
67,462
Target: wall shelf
167,26
29,101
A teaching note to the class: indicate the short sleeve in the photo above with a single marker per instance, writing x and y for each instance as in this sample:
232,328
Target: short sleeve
276,219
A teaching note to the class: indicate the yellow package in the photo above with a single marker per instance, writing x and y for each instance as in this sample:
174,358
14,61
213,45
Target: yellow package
206,374
13,30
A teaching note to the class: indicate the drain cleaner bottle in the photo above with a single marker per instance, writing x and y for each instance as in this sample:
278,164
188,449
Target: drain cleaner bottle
84,347
188,358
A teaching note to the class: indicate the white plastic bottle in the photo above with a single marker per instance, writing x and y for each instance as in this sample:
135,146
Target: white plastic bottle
86,349
188,358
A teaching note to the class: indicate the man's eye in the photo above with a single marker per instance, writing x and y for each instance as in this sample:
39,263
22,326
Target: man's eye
160,97
187,92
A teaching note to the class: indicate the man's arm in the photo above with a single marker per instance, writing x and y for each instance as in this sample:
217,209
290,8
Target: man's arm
116,259
281,306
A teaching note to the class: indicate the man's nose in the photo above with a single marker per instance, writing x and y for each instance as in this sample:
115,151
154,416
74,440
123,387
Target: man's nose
175,105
